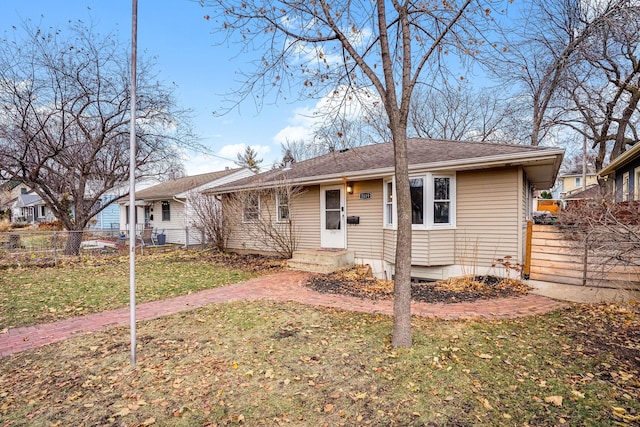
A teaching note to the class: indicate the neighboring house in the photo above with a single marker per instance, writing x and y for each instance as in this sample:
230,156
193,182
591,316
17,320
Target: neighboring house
624,172
109,217
30,208
9,192
470,204
574,182
165,207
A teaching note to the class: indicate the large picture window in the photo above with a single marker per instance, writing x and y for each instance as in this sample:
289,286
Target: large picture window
432,201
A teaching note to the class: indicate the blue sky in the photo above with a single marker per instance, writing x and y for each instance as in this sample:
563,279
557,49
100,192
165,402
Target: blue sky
187,53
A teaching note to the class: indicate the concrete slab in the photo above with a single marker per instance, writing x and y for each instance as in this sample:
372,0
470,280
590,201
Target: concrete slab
582,294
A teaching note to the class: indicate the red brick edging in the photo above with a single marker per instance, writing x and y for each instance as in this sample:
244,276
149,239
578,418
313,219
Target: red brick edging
284,286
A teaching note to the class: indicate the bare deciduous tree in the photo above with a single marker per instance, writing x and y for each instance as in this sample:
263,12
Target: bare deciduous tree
541,48
64,119
384,47
207,217
604,87
461,113
268,217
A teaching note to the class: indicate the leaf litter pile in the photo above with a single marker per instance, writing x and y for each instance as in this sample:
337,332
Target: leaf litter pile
358,282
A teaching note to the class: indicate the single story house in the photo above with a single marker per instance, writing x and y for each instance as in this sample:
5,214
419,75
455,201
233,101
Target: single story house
108,219
29,208
624,172
470,204
166,209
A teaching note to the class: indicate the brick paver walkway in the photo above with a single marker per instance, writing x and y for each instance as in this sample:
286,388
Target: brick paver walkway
284,286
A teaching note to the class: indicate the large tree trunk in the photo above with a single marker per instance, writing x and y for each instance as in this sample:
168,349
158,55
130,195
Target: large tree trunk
74,241
402,279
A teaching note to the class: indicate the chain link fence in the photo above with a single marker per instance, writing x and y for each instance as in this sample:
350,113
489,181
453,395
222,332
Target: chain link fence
31,247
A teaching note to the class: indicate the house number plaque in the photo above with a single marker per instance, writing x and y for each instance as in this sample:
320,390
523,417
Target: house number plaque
365,195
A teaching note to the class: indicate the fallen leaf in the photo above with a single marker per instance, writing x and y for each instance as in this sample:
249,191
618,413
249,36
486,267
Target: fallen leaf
485,403
328,407
577,394
554,400
123,412
484,356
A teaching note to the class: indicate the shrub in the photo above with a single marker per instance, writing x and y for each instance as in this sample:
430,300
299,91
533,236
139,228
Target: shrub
50,226
5,225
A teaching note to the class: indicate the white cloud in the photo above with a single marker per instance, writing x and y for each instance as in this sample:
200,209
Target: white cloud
306,119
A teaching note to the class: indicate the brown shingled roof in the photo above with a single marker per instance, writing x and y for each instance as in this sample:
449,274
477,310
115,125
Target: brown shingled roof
379,158
174,187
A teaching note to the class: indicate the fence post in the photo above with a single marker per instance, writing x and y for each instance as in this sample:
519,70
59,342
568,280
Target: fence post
55,248
202,239
527,256
186,238
585,260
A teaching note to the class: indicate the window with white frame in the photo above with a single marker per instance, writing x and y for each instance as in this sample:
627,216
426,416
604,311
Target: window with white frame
578,182
43,211
251,208
432,201
166,210
282,202
388,203
625,186
416,186
441,200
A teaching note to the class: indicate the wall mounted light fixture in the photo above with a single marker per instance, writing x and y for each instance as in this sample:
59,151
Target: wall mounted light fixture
349,187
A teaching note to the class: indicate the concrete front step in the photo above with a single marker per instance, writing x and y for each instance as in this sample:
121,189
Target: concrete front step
322,260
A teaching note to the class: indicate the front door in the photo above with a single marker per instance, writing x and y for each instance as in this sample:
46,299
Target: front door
332,217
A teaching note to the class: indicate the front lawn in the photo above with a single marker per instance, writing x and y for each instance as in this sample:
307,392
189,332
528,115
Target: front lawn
34,295
274,364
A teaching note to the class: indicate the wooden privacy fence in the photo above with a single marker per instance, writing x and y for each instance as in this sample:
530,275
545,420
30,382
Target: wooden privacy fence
563,256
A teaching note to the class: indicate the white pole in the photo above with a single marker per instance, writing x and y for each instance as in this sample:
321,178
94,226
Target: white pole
132,183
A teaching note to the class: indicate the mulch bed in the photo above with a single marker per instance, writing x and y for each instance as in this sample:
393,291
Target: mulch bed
358,283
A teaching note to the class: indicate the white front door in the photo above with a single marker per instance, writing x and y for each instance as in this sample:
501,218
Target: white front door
332,217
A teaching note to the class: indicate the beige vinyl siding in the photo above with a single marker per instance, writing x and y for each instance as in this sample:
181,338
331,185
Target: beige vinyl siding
364,238
242,234
487,216
524,214
429,247
441,247
389,245
305,212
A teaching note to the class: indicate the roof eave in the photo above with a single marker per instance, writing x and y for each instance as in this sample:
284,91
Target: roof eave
621,160
505,160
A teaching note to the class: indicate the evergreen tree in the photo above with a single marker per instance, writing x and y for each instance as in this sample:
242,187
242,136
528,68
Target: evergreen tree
249,159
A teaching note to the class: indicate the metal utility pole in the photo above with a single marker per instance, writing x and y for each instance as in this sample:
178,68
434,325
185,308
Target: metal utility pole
132,182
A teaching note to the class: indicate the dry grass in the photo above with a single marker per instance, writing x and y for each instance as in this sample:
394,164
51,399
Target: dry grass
272,364
34,295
